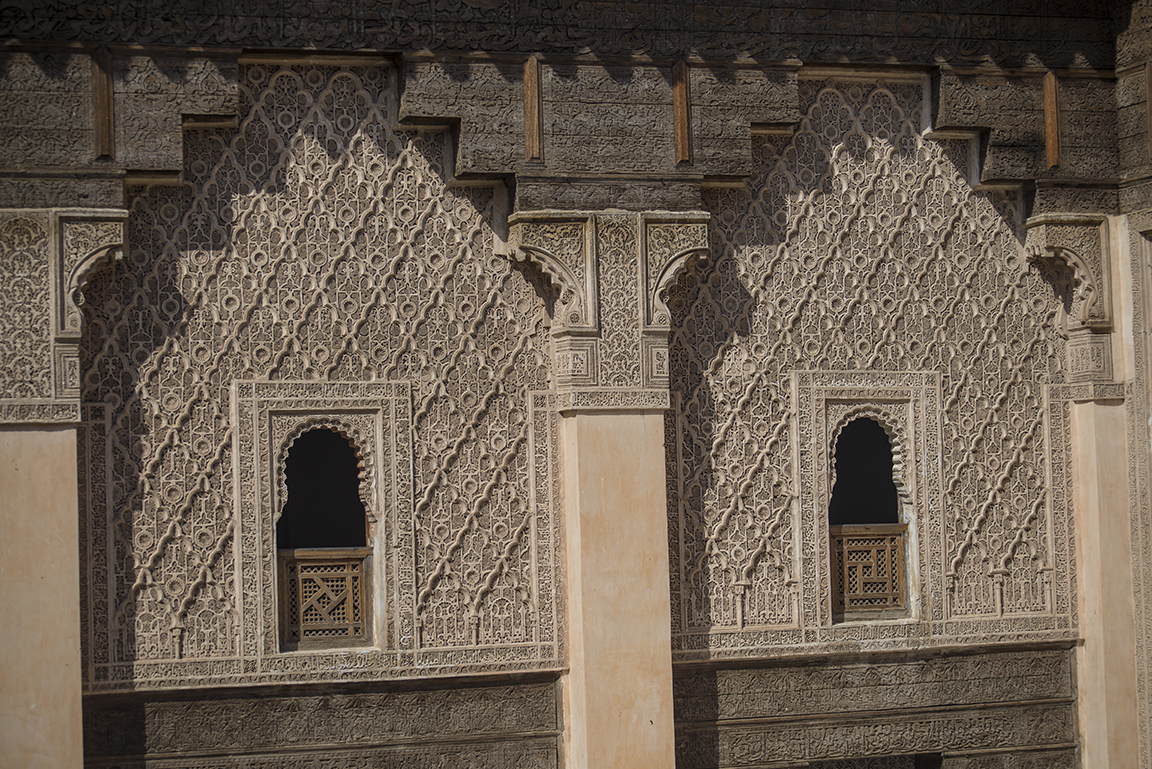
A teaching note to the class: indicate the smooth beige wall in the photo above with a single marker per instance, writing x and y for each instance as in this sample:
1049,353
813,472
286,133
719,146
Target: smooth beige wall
1106,662
618,692
40,716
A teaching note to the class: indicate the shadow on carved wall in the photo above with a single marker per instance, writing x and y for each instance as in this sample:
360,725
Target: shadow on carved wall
132,310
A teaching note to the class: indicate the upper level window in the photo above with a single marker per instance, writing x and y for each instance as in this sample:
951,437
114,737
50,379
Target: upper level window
867,536
321,541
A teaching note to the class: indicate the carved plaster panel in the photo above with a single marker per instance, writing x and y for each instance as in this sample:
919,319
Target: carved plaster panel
25,328
320,252
755,745
861,246
479,726
906,704
611,272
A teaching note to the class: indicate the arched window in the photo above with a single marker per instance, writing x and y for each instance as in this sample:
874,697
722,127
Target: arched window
867,535
321,541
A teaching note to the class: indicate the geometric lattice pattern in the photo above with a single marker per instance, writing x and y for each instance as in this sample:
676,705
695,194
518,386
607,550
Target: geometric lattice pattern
323,594
311,244
861,245
868,565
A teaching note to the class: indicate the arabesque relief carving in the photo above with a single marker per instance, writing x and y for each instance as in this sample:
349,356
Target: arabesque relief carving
611,273
861,247
315,261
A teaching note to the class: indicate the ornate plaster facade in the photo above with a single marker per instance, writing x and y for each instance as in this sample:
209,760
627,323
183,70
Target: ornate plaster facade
592,291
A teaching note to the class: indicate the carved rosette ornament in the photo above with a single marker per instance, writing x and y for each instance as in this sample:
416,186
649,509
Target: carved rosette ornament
611,273
1071,250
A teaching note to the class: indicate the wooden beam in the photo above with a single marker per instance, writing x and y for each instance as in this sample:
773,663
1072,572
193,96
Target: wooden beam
1148,104
533,113
682,112
103,117
1052,118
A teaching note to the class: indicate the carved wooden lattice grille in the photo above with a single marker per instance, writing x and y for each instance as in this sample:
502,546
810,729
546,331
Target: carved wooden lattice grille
868,565
323,596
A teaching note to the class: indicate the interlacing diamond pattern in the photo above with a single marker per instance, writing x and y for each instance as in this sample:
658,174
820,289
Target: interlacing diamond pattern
860,245
313,243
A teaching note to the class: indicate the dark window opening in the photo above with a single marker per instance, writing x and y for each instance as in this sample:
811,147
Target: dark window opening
324,507
864,491
321,538
867,538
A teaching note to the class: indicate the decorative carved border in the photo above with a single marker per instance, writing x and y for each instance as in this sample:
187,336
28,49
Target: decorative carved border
265,417
268,416
1138,405
907,405
612,400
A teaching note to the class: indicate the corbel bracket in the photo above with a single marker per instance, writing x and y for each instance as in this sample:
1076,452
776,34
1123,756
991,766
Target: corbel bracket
563,247
1079,241
88,241
672,243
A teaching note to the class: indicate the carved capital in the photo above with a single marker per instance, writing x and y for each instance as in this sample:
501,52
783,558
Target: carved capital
88,241
562,246
47,255
611,272
1078,243
672,243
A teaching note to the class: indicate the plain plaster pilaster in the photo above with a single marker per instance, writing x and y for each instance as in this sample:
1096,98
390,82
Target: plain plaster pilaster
1106,671
40,715
618,691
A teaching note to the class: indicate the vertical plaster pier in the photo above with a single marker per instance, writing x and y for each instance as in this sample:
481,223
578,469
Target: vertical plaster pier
40,720
1106,663
611,272
618,692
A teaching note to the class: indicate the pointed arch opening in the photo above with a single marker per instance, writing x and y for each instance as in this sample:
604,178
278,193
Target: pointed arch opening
322,540
868,537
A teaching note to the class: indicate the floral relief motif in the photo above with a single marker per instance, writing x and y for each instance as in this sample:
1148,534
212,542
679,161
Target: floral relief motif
312,245
25,330
860,246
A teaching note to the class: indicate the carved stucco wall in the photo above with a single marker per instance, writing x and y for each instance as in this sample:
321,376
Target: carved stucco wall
1012,708
861,250
26,335
312,263
1137,407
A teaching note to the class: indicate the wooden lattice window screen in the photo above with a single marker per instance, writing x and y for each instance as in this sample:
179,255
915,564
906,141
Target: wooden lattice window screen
323,597
868,567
